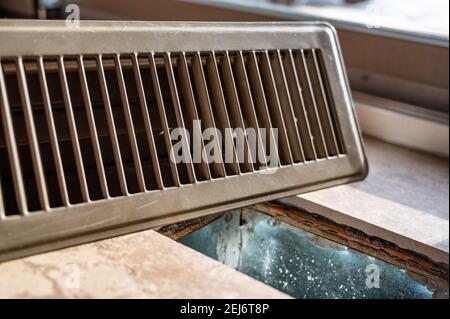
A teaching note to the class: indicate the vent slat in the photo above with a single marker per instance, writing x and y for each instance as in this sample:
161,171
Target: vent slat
92,128
274,109
320,103
314,118
290,120
325,88
260,102
129,123
205,107
179,116
111,126
164,121
56,153
32,137
73,131
147,122
248,109
222,114
298,104
192,114
11,145
324,100
235,112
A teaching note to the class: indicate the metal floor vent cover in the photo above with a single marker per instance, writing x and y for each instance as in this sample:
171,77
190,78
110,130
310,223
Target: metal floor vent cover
86,116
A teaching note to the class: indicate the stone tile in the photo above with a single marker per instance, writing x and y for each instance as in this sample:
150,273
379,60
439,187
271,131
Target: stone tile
141,265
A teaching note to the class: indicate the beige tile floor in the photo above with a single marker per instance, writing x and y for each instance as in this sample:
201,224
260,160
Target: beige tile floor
141,265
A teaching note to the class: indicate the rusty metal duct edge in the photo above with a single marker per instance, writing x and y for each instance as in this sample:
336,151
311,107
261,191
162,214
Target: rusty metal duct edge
86,115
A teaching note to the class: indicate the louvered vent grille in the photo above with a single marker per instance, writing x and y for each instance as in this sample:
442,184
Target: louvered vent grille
84,128
87,132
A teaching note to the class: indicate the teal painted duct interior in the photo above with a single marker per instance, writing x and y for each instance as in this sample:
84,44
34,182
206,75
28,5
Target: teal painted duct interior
300,263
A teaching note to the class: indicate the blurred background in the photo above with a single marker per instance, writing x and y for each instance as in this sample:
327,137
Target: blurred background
395,49
428,17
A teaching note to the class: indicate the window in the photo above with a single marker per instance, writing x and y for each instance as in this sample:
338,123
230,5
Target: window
393,49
